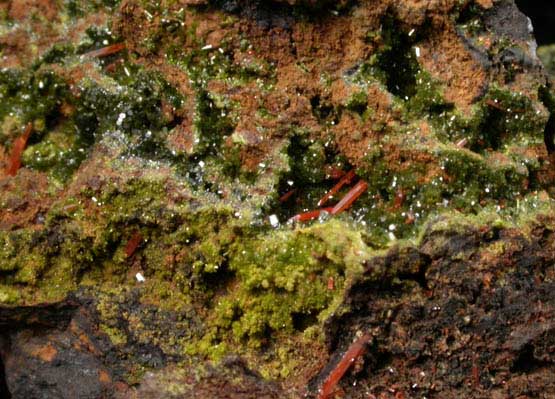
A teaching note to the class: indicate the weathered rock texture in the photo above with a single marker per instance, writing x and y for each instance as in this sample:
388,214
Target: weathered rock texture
166,160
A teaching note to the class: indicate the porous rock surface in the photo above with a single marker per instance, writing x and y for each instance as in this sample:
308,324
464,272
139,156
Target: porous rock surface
164,161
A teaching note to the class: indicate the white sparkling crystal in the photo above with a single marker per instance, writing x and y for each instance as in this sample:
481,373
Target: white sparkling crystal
274,221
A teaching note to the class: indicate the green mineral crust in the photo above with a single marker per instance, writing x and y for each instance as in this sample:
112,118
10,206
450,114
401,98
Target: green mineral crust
188,137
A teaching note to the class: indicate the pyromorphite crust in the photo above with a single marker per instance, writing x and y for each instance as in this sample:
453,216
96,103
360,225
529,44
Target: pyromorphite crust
188,137
284,278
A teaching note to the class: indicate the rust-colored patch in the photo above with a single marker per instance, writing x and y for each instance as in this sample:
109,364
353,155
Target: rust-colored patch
46,353
23,9
448,60
15,48
86,341
35,32
485,4
355,136
181,138
26,200
104,377
81,25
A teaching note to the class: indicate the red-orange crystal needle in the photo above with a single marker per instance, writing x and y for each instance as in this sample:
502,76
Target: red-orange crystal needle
495,104
286,196
350,197
462,143
344,180
356,349
310,215
334,173
133,243
17,149
106,51
399,199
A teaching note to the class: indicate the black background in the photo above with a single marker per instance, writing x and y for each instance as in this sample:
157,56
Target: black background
542,13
